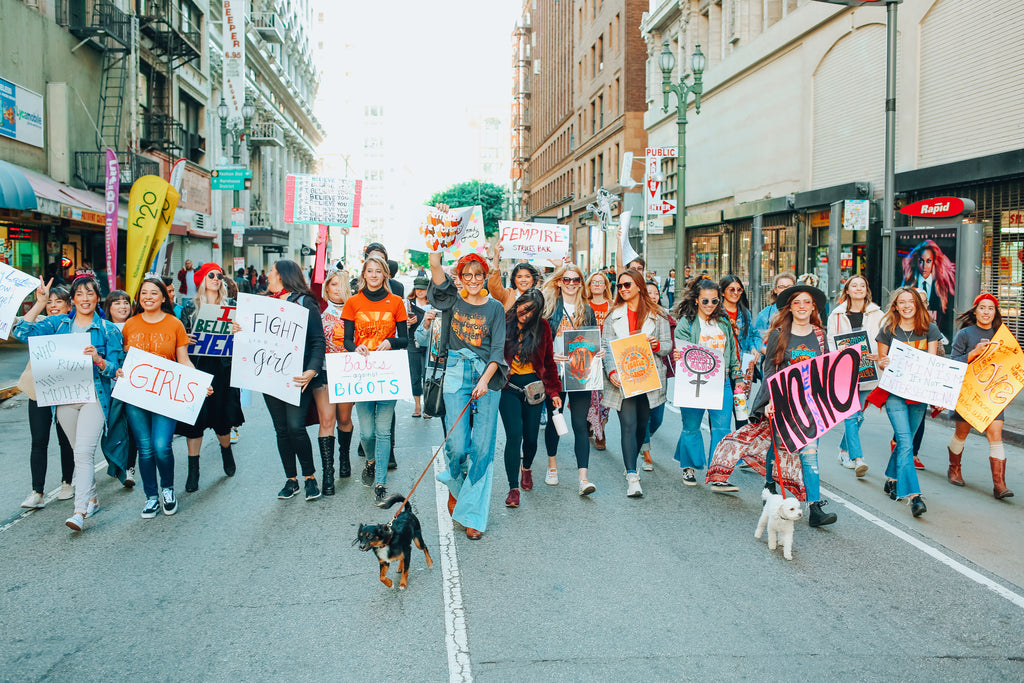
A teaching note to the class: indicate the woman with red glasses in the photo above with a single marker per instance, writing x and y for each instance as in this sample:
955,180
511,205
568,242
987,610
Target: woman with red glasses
634,313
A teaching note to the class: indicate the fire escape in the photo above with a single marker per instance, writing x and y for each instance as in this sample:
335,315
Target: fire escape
522,62
104,27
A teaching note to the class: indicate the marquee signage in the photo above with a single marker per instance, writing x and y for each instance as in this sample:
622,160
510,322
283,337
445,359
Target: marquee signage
939,207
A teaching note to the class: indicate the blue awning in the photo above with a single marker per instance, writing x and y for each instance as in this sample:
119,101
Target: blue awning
15,190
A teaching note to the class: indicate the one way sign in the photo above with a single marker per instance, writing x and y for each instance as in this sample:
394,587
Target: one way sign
665,207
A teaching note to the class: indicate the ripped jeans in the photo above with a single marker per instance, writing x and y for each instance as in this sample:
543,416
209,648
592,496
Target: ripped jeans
808,468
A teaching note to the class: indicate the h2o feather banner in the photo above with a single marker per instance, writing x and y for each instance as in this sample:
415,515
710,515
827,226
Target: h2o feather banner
151,206
813,396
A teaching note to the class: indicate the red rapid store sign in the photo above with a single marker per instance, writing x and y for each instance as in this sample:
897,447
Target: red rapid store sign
939,207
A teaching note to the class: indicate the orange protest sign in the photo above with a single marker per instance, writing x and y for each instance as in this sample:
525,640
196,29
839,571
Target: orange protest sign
637,366
992,380
145,204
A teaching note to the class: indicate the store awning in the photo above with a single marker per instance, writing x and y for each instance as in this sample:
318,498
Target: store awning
57,199
15,190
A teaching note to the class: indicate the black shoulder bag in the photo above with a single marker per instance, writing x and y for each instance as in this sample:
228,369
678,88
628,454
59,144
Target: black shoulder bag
433,394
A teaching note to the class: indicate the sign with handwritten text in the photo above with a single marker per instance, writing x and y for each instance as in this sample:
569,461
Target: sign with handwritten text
14,287
322,200
700,378
212,330
637,367
919,376
377,376
992,381
533,241
268,351
162,386
444,231
61,371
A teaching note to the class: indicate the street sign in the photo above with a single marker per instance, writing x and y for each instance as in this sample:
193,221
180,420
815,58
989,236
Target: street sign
237,220
655,227
666,207
229,178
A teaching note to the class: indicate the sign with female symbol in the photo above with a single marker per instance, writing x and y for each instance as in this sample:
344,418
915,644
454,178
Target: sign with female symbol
700,379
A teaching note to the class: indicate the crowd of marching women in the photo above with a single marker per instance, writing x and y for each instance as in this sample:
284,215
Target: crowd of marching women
485,345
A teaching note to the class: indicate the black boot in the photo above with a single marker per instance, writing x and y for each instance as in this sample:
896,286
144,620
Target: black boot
392,465
819,518
192,482
326,444
229,460
344,444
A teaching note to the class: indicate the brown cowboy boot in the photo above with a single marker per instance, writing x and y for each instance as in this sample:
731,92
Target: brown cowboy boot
954,475
999,489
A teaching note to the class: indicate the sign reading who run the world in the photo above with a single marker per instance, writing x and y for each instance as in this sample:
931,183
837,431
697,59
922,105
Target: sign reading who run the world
322,200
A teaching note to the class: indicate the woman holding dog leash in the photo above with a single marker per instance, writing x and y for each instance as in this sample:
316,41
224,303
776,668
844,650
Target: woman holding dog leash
795,335
528,352
475,373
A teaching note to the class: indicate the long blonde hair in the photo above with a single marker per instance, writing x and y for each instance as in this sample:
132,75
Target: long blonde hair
346,289
385,268
552,292
200,297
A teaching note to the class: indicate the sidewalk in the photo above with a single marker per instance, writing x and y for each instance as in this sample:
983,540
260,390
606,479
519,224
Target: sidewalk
13,358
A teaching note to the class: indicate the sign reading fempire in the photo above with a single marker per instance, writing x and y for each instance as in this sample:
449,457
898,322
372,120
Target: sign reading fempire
939,207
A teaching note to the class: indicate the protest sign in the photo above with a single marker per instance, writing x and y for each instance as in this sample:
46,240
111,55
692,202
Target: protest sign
625,248
61,371
992,380
868,371
919,376
813,396
162,386
268,351
636,365
322,200
212,330
445,230
377,376
700,378
14,287
472,239
533,241
583,371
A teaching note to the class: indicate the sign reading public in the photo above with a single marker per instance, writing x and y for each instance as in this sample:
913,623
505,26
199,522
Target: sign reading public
377,376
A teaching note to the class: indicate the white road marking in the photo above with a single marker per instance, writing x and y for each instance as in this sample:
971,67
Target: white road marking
50,497
984,581
456,634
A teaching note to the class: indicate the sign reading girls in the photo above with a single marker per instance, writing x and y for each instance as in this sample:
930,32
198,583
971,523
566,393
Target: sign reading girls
378,376
533,241
162,386
269,349
813,396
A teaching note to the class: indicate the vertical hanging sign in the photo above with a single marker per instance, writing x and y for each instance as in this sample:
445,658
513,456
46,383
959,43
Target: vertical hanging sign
234,60
112,190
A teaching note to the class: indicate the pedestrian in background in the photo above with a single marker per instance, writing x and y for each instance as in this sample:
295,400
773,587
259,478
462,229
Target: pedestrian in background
240,282
335,293
780,283
418,307
669,288
977,327
58,303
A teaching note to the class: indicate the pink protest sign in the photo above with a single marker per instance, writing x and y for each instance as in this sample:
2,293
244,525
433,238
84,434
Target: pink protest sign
813,396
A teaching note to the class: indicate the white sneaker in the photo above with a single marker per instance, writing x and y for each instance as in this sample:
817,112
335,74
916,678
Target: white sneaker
551,478
844,460
862,467
67,491
151,509
129,478
586,488
34,502
92,508
169,503
234,435
76,522
633,489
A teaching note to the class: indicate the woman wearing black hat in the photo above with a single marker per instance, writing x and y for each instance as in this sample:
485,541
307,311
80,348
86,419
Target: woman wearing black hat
418,307
795,335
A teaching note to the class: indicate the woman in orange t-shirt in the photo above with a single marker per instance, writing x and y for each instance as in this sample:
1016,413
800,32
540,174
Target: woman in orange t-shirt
596,294
375,320
155,329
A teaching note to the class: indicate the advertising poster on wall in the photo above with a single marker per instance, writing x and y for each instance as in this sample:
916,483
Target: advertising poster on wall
926,259
21,114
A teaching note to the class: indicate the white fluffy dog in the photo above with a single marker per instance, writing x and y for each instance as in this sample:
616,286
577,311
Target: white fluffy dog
778,515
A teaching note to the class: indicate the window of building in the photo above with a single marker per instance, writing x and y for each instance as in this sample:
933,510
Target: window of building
593,175
600,170
618,98
600,109
593,118
190,113
616,37
600,53
593,61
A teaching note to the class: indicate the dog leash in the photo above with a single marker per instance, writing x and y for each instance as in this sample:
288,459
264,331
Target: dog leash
771,427
431,462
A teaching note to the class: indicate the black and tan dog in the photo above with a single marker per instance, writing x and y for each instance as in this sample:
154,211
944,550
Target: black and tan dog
393,541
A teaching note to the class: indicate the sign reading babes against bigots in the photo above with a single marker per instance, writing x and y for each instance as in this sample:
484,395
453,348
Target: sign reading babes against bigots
270,347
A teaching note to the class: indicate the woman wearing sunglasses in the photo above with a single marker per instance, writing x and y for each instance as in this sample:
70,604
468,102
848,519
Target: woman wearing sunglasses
702,320
634,313
224,413
565,310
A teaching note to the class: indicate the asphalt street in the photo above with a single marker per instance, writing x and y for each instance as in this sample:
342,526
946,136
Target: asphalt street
241,586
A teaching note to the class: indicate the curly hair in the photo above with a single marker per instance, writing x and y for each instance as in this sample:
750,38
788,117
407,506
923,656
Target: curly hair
943,270
689,304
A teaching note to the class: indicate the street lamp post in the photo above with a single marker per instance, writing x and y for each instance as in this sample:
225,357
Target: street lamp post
682,89
237,133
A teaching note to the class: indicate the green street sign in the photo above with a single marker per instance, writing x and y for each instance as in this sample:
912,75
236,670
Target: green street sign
230,178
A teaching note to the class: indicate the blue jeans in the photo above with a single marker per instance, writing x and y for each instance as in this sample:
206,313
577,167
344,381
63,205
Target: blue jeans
153,435
375,434
653,425
808,470
905,419
470,448
851,431
690,447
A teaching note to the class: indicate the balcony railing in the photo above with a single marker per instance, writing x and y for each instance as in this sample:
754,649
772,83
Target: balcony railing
160,131
97,19
269,25
260,220
174,33
266,133
91,168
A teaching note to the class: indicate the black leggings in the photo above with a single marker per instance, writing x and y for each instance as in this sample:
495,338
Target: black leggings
417,368
633,417
39,420
579,406
290,428
522,427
